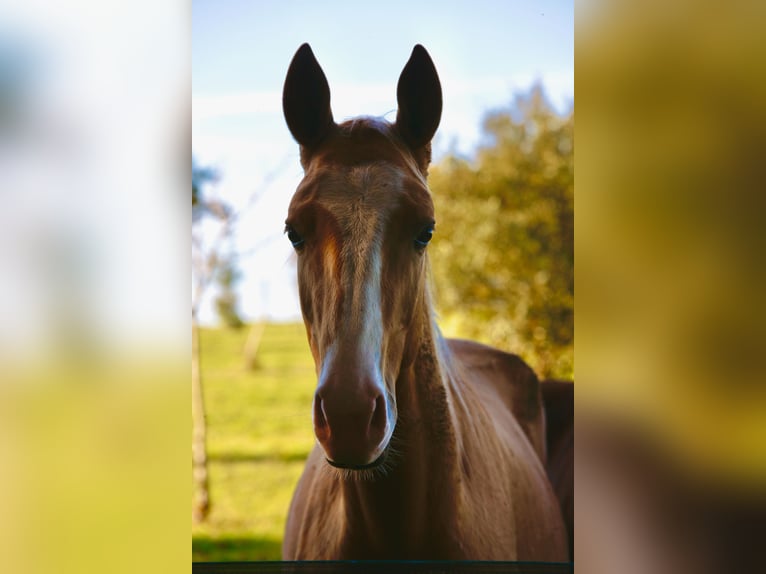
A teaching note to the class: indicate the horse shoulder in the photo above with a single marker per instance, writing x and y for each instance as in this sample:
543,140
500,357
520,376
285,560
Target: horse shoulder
505,377
508,390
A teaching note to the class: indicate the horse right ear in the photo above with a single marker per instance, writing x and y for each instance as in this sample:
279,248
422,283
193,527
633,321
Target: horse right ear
419,95
306,99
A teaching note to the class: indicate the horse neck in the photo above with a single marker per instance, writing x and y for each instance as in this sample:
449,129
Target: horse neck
425,399
402,508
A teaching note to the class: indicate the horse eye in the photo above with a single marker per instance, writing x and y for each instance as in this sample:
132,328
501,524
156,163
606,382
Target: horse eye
424,236
294,237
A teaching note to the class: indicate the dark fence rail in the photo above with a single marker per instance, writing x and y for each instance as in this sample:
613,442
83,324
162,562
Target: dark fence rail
381,567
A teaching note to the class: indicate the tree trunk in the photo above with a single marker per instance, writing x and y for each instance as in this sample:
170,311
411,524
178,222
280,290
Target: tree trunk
201,502
253,343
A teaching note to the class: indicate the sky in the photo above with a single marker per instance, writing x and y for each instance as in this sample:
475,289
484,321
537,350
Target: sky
484,51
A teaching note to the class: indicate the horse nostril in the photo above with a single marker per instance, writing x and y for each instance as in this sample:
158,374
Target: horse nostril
378,420
320,418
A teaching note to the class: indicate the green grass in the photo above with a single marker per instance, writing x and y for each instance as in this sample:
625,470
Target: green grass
259,434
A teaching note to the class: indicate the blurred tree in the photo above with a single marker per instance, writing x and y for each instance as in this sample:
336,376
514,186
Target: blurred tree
226,300
201,176
503,254
214,262
205,262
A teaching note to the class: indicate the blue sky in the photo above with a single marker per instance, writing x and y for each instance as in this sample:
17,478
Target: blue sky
484,51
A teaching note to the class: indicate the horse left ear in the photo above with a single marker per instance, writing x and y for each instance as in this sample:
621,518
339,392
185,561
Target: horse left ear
419,96
306,99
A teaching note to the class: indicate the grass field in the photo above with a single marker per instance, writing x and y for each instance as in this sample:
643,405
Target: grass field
259,434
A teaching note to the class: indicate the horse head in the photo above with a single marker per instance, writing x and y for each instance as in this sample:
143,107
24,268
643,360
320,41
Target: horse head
360,222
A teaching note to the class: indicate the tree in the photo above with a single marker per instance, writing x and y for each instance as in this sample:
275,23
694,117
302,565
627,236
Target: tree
503,254
204,266
226,300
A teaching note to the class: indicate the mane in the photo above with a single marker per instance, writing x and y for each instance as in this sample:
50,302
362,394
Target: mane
366,123
368,128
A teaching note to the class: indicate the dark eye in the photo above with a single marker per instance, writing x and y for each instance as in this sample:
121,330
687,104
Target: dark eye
424,236
294,237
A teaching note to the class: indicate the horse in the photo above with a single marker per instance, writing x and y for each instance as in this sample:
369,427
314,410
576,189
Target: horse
558,403
427,448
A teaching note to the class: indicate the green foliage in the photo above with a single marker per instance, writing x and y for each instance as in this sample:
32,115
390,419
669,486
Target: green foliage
259,435
503,254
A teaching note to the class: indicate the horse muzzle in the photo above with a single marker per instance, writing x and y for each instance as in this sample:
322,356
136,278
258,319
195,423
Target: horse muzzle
352,428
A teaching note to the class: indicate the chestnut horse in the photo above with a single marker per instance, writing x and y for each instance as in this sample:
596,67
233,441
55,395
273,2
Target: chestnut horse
427,448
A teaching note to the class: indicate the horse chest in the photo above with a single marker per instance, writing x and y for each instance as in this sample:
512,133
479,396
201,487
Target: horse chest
379,520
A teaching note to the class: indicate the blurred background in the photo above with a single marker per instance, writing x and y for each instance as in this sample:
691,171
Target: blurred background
670,457
94,323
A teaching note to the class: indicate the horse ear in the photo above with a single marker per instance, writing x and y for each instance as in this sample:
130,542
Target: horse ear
306,99
419,95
